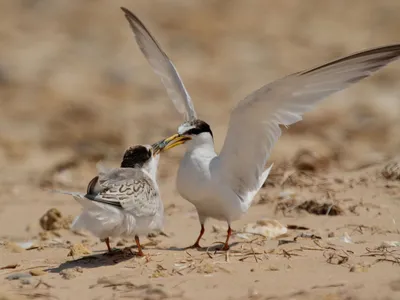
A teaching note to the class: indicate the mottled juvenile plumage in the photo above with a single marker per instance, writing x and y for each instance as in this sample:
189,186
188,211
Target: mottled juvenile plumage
125,201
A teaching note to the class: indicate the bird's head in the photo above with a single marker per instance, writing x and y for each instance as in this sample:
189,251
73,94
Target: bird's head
143,157
196,131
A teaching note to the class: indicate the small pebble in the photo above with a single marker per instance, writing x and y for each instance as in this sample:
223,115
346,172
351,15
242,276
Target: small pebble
395,285
253,293
37,272
392,170
69,274
338,180
17,276
25,281
10,266
13,247
78,250
26,245
390,244
359,268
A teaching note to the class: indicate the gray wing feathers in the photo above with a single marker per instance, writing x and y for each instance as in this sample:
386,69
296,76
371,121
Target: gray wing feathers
120,174
256,119
313,85
129,189
162,66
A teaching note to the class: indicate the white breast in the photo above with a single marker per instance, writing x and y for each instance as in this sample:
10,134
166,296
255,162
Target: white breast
198,184
194,179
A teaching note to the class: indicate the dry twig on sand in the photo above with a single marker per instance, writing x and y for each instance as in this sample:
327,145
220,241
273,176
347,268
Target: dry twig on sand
384,254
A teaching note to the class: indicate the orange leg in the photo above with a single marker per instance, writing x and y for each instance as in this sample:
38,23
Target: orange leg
197,243
107,241
226,245
140,252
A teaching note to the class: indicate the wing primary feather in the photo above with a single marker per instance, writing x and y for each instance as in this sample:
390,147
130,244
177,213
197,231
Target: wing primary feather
283,102
112,203
391,52
162,66
91,186
134,21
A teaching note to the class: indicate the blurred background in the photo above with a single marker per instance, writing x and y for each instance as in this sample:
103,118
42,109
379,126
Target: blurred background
75,89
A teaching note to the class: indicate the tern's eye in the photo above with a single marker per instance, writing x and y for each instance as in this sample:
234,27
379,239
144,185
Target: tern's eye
193,131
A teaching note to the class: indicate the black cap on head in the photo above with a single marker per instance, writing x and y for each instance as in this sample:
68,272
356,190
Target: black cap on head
196,127
136,157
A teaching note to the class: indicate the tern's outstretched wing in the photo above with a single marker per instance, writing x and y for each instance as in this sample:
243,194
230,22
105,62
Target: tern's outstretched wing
162,66
254,123
127,188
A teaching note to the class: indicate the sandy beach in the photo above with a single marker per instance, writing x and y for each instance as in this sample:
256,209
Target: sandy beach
75,90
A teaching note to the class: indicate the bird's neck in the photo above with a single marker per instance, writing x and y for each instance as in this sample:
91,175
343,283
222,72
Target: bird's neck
151,167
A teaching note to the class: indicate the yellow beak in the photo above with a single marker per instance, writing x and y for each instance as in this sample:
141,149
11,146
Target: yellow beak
169,143
175,140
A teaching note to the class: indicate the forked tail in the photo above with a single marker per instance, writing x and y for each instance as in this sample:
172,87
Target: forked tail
74,194
79,197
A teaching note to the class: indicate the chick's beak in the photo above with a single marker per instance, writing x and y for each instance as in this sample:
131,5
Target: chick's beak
175,140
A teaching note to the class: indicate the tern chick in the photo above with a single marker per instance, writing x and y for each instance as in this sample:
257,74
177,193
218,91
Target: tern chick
125,201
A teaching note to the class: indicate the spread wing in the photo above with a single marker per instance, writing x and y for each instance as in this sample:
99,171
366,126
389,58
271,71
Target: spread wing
128,189
162,66
254,123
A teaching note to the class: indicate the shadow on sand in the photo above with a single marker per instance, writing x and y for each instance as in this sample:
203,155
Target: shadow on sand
96,260
213,248
118,256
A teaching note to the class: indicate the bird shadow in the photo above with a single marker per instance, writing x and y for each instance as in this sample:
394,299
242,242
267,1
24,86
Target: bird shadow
213,248
95,261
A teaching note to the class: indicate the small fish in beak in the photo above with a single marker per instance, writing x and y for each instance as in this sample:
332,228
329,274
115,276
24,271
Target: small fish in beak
158,147
169,143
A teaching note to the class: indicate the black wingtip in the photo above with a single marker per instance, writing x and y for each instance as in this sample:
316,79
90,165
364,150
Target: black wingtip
388,54
130,15
127,12
92,184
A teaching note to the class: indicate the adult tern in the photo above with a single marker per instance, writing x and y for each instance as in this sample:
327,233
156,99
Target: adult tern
223,186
